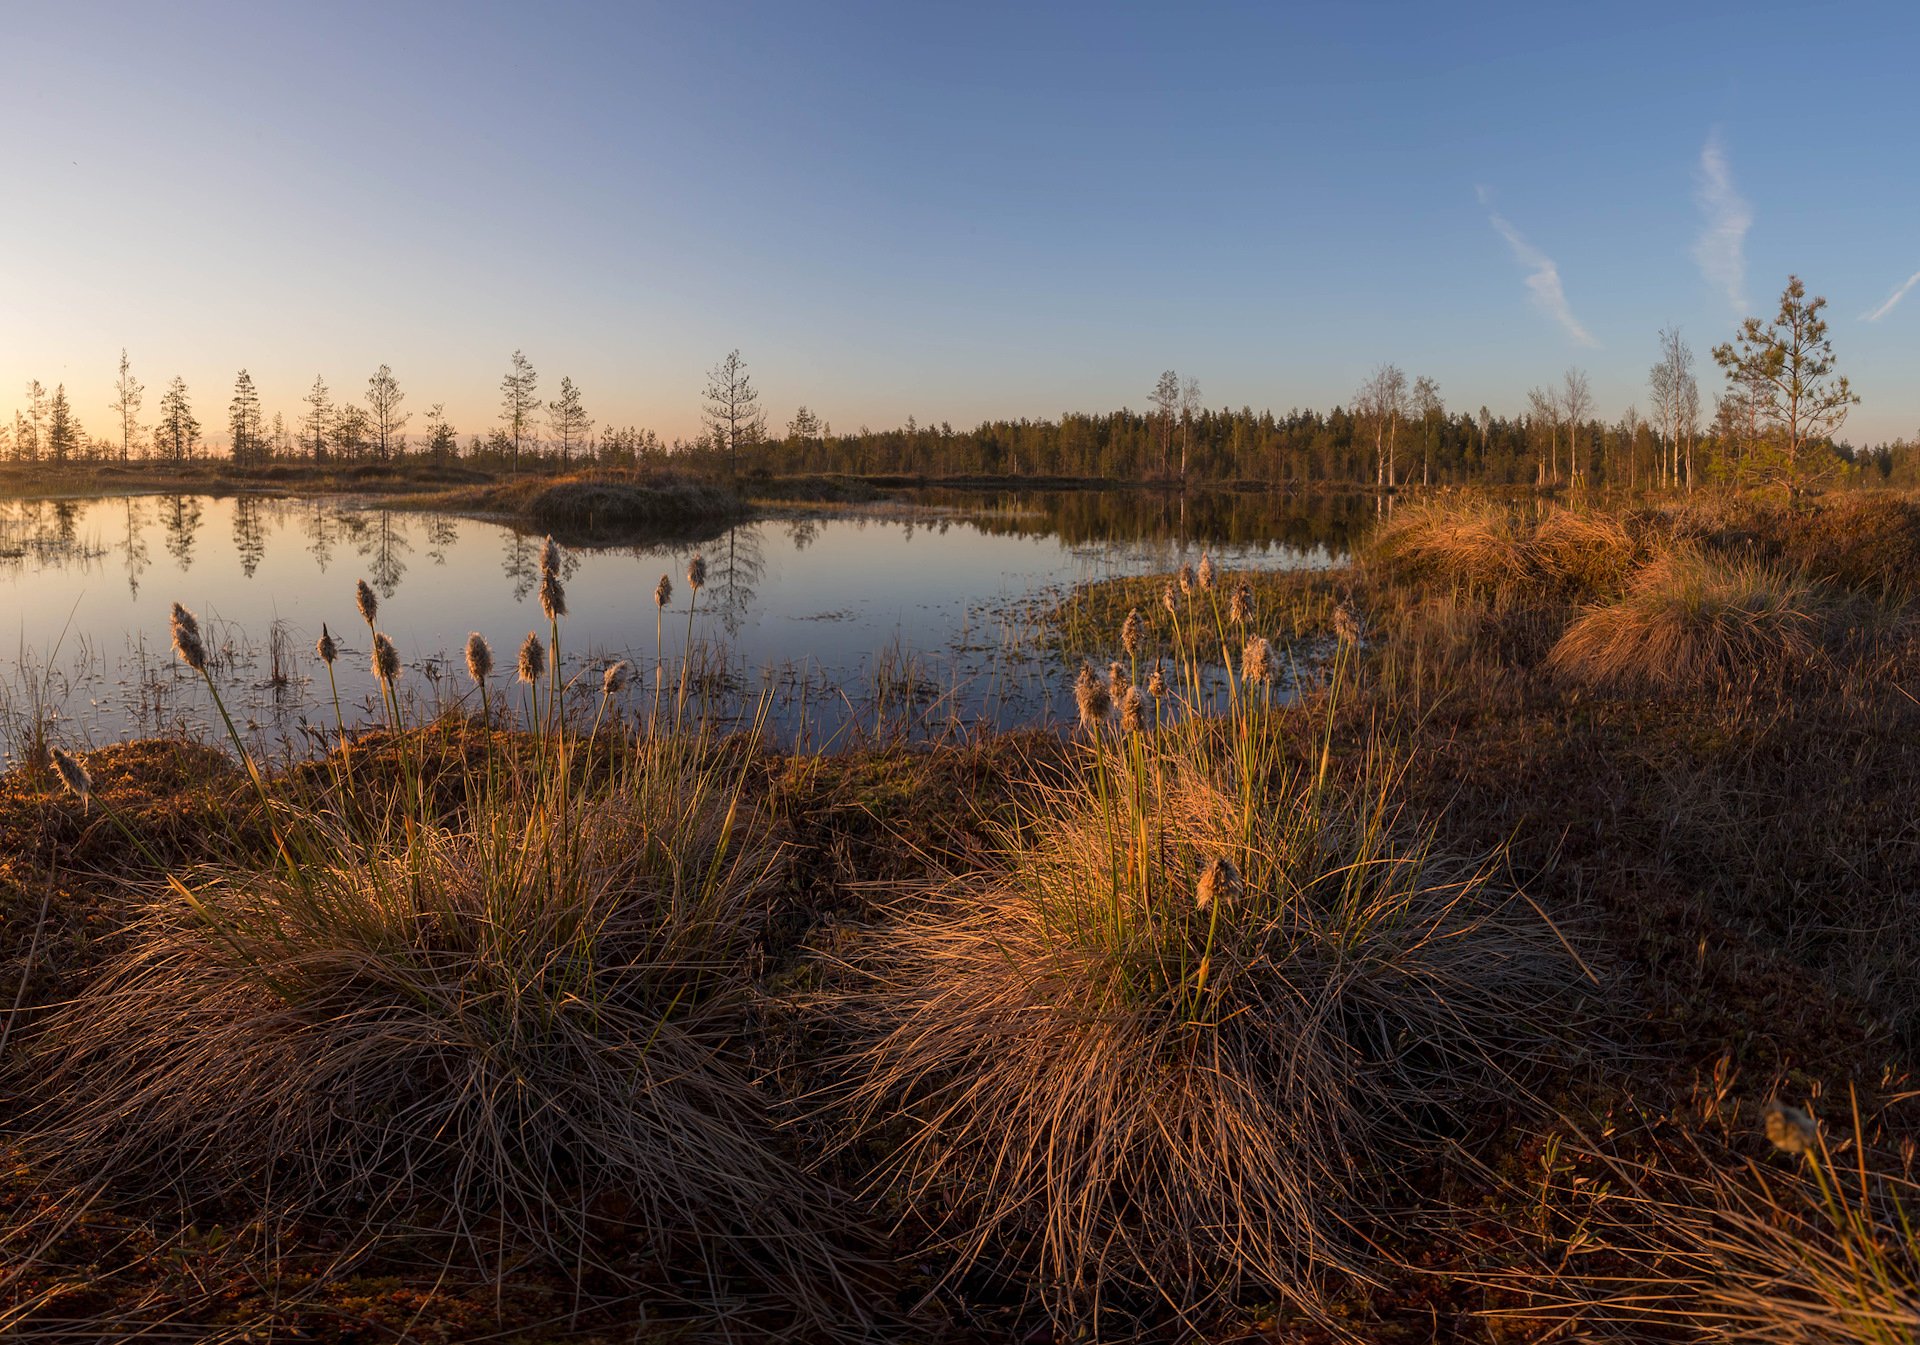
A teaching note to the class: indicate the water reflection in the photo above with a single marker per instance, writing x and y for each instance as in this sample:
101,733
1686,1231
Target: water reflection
918,608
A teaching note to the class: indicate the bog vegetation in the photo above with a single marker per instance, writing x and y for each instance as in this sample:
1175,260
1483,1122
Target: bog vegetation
1507,936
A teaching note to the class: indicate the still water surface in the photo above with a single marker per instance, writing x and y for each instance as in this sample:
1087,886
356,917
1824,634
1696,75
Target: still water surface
914,617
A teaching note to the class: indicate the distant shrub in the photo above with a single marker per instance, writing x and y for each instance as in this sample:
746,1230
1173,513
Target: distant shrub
1492,548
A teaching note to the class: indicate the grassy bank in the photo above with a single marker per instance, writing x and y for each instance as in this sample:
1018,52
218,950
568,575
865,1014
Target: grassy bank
1541,969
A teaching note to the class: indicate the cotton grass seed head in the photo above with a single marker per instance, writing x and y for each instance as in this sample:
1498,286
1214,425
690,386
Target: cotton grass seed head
1256,660
324,646
615,678
479,658
1219,882
368,604
72,774
663,592
533,658
1205,573
553,596
1186,580
386,659
1240,608
1789,1129
1346,623
186,639
1132,632
1133,711
1157,684
1169,600
697,572
1117,681
549,556
1091,695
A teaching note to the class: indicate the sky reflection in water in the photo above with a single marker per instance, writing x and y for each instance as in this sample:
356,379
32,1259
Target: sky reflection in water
826,608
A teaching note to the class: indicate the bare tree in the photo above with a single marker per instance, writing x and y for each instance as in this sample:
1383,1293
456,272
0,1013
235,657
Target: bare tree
388,421
127,396
733,412
1428,410
1669,381
1543,410
1166,403
518,402
1576,404
1189,408
1382,400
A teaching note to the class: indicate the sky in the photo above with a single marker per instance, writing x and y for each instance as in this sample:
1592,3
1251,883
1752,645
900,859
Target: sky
950,211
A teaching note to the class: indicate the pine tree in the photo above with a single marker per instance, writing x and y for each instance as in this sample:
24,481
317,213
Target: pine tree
443,441
388,424
317,425
128,393
178,432
64,436
245,424
571,427
733,412
518,403
1786,367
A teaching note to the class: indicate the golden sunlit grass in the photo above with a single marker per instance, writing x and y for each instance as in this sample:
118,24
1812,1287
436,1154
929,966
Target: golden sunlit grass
1203,1007
1693,620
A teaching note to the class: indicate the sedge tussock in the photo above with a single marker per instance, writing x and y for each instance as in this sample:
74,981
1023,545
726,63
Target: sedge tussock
526,1028
1694,620
1166,1047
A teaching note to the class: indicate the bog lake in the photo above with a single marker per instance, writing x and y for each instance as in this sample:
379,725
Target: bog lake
918,615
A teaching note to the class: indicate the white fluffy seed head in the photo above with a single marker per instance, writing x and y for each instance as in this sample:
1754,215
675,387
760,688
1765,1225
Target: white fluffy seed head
1186,580
697,572
368,604
1219,882
1133,711
1132,633
386,659
72,774
550,556
615,678
1157,684
325,646
1092,697
1240,608
553,596
1205,572
663,592
479,658
533,658
186,639
1256,660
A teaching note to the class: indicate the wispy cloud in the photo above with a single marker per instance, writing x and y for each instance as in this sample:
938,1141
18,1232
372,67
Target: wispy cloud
1721,249
1892,299
1543,277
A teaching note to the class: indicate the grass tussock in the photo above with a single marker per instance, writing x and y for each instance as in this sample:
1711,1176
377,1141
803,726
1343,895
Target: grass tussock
1691,620
529,1021
1492,548
1161,1053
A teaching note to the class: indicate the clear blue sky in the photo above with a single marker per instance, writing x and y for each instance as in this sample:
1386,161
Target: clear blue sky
949,211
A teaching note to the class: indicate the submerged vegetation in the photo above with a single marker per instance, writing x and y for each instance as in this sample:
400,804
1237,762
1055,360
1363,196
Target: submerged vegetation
1507,935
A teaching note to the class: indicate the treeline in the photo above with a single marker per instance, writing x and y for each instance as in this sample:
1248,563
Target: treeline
1774,421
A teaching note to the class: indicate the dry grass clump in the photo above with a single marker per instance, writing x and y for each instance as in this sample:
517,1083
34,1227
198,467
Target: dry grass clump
1163,1052
1692,620
1479,543
524,1029
1497,549
1814,1245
